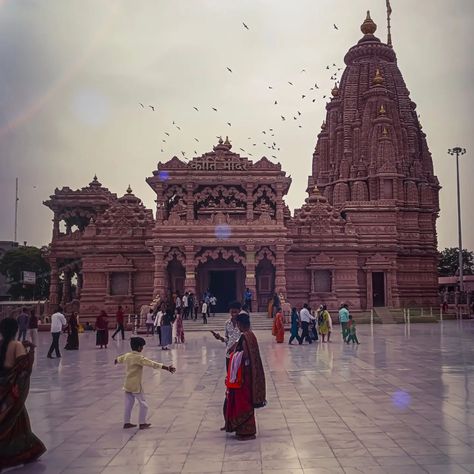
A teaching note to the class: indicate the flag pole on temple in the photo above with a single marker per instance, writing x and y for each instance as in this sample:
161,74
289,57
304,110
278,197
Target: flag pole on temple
389,33
16,210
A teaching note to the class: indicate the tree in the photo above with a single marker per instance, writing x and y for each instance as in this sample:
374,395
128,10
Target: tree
30,259
448,264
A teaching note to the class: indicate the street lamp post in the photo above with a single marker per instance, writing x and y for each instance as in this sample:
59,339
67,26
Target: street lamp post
459,151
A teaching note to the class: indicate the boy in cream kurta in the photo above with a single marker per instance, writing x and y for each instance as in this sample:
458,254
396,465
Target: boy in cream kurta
134,363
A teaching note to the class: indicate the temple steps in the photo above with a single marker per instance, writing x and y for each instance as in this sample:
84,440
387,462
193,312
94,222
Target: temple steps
216,323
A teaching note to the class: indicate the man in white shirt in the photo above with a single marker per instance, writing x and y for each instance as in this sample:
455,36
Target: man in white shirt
305,317
185,305
58,321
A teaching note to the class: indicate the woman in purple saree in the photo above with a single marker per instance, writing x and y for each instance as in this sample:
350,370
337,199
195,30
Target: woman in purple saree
18,445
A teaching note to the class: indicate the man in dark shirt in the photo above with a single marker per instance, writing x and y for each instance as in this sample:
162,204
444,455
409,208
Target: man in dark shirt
22,321
119,318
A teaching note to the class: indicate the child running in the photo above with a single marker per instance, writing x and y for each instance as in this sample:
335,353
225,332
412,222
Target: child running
351,329
135,362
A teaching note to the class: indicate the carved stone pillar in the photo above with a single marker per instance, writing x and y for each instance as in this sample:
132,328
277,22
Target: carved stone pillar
159,276
190,268
80,282
280,269
54,284
130,283
370,296
249,202
250,278
66,287
279,205
55,225
189,202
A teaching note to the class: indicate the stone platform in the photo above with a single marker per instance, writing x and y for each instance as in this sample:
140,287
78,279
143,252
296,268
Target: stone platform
401,402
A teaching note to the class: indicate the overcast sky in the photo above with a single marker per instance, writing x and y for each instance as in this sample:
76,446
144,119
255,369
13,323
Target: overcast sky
73,73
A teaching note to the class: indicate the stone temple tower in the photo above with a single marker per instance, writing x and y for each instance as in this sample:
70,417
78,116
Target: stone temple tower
373,165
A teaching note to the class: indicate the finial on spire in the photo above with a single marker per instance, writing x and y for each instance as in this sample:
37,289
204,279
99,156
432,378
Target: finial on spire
378,78
95,178
335,91
389,32
368,27
323,125
382,110
129,190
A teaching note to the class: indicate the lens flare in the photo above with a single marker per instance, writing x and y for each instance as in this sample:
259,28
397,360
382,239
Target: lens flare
164,175
401,399
222,231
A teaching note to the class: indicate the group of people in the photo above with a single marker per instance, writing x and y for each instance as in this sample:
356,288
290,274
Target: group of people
188,306
245,377
313,325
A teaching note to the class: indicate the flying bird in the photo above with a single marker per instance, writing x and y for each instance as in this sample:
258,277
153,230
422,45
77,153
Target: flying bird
166,133
195,152
327,67
270,87
295,118
228,123
162,150
283,118
164,141
214,109
183,153
314,100
335,26
264,132
276,102
196,109
196,139
303,70
241,149
179,128
245,26
316,85
290,83
299,113
303,96
229,69
151,107
142,105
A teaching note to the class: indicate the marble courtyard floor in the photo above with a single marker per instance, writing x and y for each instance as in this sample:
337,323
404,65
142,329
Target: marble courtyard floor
401,402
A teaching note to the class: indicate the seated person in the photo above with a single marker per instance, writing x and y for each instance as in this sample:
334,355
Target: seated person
88,327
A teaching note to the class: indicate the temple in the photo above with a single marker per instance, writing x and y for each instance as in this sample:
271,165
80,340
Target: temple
366,234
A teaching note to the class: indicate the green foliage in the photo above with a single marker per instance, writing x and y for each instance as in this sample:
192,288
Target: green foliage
448,264
29,259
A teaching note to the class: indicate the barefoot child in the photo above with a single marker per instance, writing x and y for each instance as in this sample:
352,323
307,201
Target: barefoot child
134,363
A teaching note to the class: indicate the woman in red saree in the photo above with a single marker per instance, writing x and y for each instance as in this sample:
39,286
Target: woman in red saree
278,326
18,445
245,383
102,330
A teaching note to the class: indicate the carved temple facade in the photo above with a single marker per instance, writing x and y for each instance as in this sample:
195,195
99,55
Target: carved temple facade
366,234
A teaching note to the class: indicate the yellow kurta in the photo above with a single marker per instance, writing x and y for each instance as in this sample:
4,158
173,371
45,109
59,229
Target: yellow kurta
134,363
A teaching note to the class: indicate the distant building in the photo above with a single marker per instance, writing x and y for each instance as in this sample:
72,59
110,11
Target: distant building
5,246
366,234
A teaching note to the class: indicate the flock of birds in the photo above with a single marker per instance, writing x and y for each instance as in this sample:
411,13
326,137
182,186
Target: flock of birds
308,94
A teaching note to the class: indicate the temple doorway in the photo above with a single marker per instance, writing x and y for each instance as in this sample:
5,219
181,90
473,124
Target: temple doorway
223,284
378,289
224,278
176,276
265,274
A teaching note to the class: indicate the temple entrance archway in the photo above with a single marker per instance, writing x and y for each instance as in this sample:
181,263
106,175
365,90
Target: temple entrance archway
265,275
378,289
223,277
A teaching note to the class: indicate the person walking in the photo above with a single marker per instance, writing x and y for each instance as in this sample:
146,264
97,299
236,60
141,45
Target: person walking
185,305
295,322
248,299
33,328
305,317
166,330
22,320
18,444
323,322
149,323
278,326
212,305
102,330
157,322
190,305
72,342
134,363
58,322
352,332
119,317
204,312
344,319
179,329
